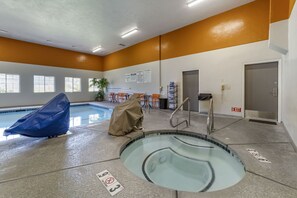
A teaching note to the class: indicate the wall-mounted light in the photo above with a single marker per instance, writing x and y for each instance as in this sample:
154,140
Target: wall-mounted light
97,49
133,31
192,3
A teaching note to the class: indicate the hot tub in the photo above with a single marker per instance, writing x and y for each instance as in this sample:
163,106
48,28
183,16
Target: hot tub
183,161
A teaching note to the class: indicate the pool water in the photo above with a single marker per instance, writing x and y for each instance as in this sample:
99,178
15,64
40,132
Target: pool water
183,162
79,116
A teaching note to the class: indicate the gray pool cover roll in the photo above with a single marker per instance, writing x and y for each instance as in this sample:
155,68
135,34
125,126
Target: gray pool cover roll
126,117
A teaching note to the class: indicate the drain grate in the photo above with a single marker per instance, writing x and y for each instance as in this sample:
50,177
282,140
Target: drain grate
263,121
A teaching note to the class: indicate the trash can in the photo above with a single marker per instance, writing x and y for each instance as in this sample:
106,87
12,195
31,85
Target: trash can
204,96
163,103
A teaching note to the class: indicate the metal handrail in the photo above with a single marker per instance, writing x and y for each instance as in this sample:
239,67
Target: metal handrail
174,112
210,118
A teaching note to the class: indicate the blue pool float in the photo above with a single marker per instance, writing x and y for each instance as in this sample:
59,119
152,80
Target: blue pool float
51,120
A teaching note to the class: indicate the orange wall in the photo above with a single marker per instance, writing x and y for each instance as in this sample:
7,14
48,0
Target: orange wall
242,25
246,24
292,3
279,10
143,52
24,52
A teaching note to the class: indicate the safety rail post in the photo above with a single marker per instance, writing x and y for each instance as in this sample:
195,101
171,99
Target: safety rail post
210,118
175,111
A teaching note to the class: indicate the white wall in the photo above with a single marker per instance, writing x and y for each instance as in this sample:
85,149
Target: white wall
26,72
117,82
290,80
278,36
223,66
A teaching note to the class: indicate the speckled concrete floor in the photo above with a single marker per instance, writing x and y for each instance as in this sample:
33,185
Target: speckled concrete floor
66,166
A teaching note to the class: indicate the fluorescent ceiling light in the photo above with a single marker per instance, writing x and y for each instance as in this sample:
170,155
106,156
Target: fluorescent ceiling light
3,31
193,2
134,30
97,49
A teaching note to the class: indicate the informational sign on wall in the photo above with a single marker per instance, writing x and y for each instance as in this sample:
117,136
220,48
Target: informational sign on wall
147,76
236,109
139,77
132,77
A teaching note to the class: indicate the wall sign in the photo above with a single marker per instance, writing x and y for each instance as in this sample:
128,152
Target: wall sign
130,77
147,76
139,77
110,182
235,109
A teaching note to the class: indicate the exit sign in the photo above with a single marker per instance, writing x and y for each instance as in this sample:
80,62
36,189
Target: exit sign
235,109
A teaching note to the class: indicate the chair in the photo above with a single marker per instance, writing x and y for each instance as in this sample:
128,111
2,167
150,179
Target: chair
142,98
121,97
155,100
111,97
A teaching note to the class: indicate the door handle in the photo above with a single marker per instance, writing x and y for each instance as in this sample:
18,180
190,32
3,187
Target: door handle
274,92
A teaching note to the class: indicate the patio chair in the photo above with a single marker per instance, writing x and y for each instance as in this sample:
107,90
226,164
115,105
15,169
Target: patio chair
141,97
111,97
155,100
121,97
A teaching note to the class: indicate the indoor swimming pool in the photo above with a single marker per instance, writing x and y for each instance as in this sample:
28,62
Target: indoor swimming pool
80,115
183,161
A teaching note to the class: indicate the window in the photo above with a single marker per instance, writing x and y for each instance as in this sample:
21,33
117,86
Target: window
49,84
44,84
2,83
9,83
93,118
92,88
74,121
72,84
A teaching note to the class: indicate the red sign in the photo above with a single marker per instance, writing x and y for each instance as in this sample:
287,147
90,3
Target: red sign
109,180
235,109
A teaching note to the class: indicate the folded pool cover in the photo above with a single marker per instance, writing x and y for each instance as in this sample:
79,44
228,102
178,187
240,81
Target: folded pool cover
51,119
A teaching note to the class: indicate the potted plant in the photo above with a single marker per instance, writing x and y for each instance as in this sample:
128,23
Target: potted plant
101,84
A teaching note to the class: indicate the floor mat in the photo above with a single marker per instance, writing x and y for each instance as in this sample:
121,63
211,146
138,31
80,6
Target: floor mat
263,121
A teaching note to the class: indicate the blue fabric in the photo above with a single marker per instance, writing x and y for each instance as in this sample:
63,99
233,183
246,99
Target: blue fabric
51,119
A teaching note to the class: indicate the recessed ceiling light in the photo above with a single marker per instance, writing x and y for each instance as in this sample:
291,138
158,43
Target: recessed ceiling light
191,3
97,49
130,32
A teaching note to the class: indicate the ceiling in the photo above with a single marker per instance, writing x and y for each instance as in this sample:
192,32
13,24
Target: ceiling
82,25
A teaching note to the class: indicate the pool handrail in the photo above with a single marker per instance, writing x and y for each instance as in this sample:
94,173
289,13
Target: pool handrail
210,118
188,122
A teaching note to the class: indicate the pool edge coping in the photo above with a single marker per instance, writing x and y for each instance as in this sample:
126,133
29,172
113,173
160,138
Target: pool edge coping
34,107
208,138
